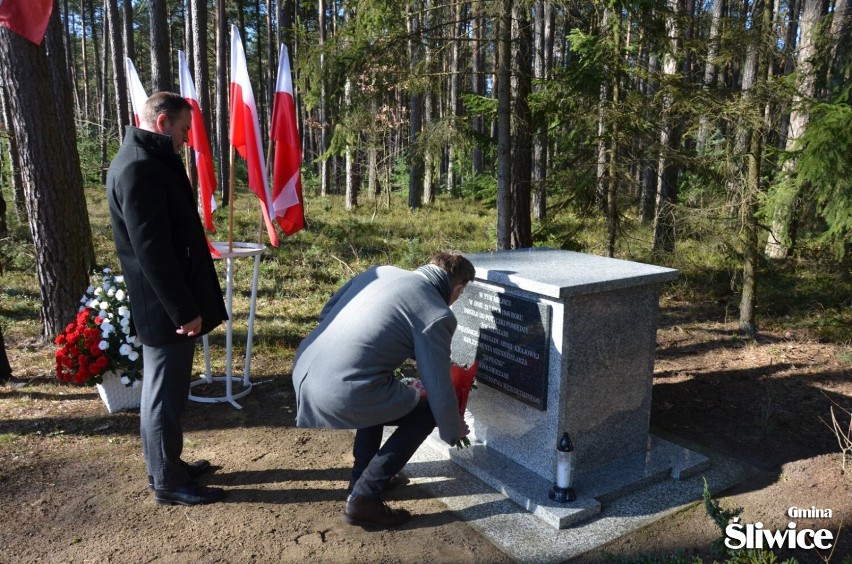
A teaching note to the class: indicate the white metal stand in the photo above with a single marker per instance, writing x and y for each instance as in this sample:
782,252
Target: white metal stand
239,250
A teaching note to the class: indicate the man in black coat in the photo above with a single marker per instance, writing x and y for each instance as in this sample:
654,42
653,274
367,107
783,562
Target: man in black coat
173,287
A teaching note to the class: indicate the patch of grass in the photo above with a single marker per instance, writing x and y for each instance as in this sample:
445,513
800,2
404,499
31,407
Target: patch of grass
8,437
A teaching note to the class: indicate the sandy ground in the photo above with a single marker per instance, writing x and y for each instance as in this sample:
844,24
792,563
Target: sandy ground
73,483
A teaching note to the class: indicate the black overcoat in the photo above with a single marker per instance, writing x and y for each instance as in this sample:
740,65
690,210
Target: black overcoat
160,241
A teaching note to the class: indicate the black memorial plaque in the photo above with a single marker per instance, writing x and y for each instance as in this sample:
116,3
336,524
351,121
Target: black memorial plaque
510,336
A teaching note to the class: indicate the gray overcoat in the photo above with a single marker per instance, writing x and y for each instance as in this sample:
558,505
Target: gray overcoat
343,373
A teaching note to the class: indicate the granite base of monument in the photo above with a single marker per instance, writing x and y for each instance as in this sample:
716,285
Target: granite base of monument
595,489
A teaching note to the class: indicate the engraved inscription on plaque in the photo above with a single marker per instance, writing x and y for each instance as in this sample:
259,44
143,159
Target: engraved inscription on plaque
510,336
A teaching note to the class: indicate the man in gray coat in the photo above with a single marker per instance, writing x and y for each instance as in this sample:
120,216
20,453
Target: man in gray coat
343,374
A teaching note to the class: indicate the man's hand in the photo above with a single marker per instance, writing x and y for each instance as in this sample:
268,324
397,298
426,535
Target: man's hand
463,441
190,329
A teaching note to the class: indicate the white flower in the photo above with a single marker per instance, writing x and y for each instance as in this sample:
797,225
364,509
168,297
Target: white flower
130,339
105,305
99,291
107,270
120,295
111,291
124,311
133,356
106,329
103,345
125,350
102,314
125,380
136,383
125,329
90,290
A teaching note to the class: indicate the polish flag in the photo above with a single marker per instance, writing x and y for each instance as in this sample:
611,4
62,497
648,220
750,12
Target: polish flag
137,91
245,131
200,144
27,18
286,176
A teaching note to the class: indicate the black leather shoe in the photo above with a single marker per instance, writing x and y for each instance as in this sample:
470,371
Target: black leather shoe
194,469
395,482
373,513
191,493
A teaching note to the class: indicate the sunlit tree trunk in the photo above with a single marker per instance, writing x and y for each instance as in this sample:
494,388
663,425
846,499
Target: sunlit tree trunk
323,104
51,176
543,55
778,243
667,169
756,67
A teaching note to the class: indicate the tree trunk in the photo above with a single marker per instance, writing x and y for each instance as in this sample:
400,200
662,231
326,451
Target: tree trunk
504,130
161,76
757,65
15,178
352,176
119,76
541,144
415,155
51,176
85,61
647,200
603,96
323,105
612,173
710,70
667,169
779,243
477,84
522,131
222,90
838,71
455,80
201,72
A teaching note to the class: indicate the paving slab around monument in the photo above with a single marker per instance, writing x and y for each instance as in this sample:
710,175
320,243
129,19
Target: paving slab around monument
526,537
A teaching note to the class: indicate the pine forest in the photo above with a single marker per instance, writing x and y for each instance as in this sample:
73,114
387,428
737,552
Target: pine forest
653,123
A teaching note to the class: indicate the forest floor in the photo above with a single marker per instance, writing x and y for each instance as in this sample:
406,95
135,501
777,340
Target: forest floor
73,485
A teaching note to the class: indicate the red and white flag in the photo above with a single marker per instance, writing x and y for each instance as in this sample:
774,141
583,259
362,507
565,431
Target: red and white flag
245,131
286,175
137,91
200,144
27,18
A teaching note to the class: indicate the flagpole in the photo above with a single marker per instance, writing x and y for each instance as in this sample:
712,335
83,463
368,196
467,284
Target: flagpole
272,212
231,205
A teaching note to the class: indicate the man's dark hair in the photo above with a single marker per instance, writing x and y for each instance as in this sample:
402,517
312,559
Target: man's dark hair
169,103
460,269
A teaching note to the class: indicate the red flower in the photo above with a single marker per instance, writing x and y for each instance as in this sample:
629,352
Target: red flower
463,382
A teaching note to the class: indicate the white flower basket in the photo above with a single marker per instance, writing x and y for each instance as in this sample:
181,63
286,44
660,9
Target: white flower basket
118,397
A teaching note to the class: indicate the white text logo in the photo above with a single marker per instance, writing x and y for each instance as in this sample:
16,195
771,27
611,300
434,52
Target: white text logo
747,535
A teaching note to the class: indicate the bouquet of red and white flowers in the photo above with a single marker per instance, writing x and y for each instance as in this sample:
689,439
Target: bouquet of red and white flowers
99,342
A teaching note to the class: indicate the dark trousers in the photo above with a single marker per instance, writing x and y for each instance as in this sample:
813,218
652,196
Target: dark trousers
5,368
375,463
167,371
